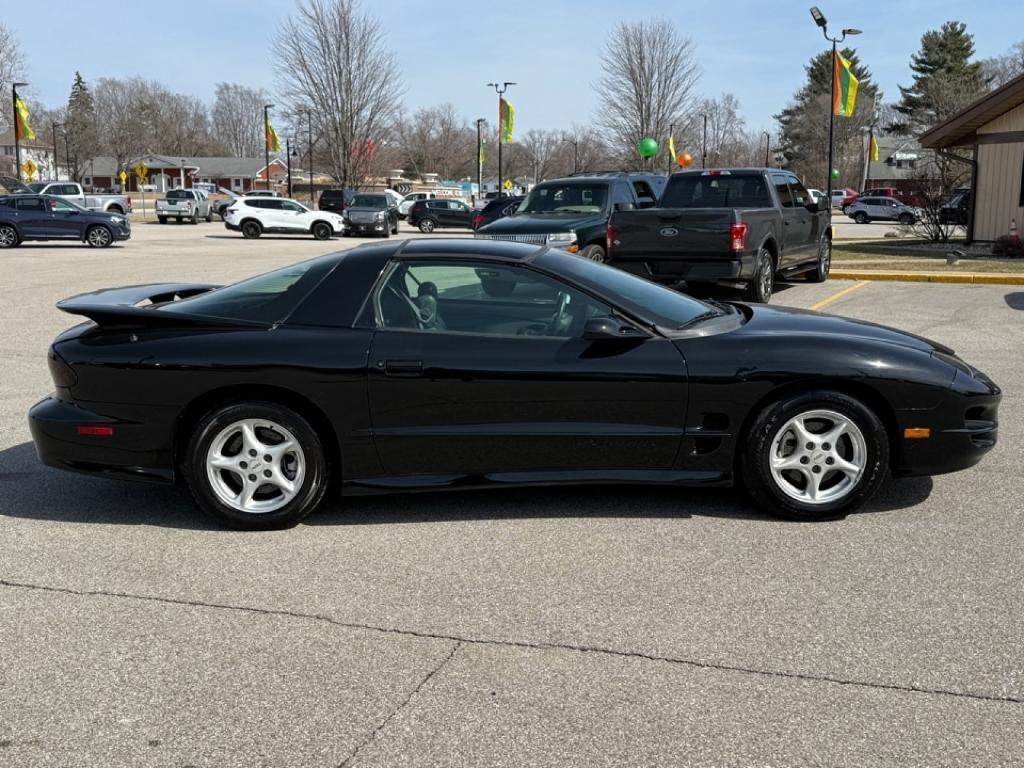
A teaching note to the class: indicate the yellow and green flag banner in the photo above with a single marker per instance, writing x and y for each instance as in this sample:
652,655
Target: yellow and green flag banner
874,153
506,121
273,144
672,147
21,124
844,86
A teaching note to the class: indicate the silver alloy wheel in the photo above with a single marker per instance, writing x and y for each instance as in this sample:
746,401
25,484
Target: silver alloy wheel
8,237
818,457
765,278
594,253
826,256
426,225
99,237
255,466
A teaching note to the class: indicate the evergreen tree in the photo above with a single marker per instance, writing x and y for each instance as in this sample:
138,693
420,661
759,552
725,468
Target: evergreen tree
945,78
80,125
803,124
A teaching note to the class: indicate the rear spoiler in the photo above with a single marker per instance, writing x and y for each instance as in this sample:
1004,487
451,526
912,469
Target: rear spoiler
132,305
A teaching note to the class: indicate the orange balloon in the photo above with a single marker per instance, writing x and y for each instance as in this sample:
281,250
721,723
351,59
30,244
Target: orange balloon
685,160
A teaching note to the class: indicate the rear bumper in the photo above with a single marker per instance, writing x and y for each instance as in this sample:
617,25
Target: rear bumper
232,227
701,268
135,451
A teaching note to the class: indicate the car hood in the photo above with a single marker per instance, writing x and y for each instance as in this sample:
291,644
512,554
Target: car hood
786,321
531,223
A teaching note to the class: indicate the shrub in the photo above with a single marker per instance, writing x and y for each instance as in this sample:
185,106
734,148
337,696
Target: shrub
1008,247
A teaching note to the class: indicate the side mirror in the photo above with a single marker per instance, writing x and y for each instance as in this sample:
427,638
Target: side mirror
608,328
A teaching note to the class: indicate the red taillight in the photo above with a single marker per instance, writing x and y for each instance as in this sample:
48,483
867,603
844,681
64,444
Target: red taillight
96,431
610,239
129,202
478,221
738,237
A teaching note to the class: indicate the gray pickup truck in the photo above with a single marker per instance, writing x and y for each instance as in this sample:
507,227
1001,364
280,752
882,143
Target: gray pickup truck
184,205
741,227
70,190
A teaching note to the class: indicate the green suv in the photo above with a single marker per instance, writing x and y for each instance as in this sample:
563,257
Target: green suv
572,213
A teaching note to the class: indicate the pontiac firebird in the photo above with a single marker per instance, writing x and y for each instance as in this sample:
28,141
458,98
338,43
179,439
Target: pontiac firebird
458,363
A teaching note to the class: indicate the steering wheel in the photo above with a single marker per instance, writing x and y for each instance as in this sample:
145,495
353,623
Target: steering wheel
561,320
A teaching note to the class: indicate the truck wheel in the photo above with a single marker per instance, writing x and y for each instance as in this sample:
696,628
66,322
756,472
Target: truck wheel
760,287
162,219
98,236
195,218
860,217
251,230
820,272
115,209
209,215
594,253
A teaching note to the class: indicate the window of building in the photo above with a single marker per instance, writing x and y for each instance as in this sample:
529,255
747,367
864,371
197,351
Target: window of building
236,183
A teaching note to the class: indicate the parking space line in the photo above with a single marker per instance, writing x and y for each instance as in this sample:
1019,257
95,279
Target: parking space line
839,295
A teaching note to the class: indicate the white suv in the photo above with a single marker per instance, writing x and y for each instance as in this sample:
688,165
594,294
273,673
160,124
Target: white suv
412,197
252,216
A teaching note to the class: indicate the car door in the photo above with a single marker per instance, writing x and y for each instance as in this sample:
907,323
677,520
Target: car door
66,220
272,215
460,213
293,216
808,230
795,221
479,367
34,217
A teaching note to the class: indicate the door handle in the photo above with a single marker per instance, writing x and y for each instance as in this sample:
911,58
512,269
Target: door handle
403,367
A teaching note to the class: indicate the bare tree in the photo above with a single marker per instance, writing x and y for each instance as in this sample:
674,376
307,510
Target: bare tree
238,119
543,152
1002,69
333,60
649,73
12,66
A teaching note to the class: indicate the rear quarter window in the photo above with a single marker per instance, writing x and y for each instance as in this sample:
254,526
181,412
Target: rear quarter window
732,191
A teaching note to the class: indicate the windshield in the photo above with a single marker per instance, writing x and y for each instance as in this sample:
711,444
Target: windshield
370,201
737,190
568,197
662,306
267,298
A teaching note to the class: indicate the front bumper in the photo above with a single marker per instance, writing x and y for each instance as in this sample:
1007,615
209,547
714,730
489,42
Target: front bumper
366,227
134,451
699,269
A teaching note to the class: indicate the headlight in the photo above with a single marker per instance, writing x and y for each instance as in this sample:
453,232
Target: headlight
379,216
562,238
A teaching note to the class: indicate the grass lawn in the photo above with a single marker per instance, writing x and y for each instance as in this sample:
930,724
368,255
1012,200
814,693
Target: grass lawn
916,258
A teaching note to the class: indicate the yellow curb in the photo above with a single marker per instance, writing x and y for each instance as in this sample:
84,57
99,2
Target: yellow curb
929,277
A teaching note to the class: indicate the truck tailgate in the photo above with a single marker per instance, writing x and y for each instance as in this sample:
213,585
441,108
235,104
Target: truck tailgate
672,233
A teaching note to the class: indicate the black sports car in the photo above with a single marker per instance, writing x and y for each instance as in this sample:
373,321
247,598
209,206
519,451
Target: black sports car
436,364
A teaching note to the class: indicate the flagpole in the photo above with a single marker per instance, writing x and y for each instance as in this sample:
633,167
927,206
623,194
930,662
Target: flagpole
500,90
668,154
266,142
17,130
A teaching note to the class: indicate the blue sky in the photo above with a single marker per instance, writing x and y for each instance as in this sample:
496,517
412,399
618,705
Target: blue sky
447,51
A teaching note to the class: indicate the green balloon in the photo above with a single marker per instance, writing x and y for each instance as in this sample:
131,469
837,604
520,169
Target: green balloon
835,173
647,147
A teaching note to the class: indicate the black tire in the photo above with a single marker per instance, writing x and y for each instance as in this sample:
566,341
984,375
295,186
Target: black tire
762,284
98,236
757,474
820,272
251,229
115,209
387,232
594,253
906,219
426,226
9,237
322,230
209,215
861,218
195,218
162,219
395,230
309,492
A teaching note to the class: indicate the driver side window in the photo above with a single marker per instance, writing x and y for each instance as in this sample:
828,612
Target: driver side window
482,298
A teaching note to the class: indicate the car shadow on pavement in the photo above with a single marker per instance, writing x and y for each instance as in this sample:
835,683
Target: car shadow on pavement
32,491
1015,300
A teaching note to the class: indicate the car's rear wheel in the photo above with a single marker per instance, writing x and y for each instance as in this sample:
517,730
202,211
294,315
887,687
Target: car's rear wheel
594,253
251,229
860,217
820,272
427,226
322,231
815,456
8,236
762,284
906,219
256,465
98,236
162,219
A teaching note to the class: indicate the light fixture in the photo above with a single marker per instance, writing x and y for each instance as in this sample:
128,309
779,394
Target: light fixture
819,17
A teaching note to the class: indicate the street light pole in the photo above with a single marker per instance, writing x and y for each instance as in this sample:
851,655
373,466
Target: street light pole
767,146
500,90
266,142
479,158
17,129
820,20
704,142
575,153
54,125
309,117
288,162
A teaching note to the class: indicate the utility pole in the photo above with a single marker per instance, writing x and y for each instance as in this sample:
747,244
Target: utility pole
309,117
704,142
266,142
288,162
767,146
479,157
500,90
54,125
17,130
819,19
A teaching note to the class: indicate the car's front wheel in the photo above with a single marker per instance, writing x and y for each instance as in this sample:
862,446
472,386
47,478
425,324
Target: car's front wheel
594,253
256,466
815,456
906,219
98,237
427,226
322,231
251,229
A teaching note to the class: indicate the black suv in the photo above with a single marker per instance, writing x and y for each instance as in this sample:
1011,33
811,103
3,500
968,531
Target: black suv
335,200
428,215
370,213
573,212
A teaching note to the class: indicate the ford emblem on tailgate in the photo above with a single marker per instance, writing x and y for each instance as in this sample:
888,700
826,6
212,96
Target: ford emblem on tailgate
668,232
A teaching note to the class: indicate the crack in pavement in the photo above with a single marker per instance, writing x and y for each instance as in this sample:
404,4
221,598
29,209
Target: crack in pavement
522,644
373,735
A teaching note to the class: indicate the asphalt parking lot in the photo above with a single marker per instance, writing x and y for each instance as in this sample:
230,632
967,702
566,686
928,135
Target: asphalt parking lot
540,627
